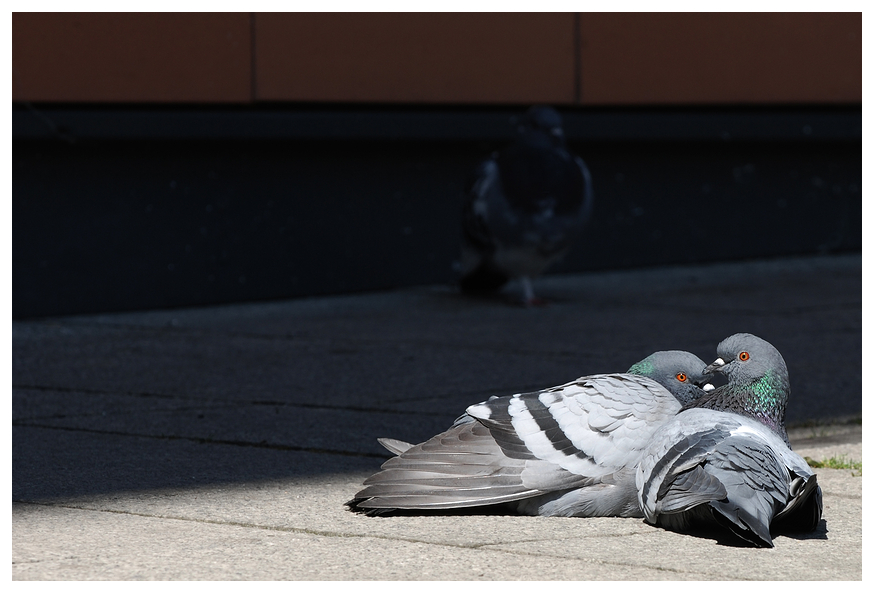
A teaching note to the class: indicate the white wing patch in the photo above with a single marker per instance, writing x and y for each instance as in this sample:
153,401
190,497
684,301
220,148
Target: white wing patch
480,411
608,420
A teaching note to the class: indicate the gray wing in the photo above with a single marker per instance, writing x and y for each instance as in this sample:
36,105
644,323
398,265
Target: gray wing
516,447
463,467
709,467
590,427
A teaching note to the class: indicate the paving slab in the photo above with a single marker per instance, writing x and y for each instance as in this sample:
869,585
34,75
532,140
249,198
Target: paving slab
221,443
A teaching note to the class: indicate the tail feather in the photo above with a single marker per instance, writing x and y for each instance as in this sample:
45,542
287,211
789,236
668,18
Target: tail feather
804,510
742,523
395,446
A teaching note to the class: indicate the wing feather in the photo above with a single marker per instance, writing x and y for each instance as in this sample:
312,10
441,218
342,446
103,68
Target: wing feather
514,447
739,469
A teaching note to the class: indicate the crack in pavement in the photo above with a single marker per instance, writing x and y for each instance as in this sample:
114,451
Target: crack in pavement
205,441
231,403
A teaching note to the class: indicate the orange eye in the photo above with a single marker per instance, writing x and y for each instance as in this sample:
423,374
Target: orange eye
744,356
681,377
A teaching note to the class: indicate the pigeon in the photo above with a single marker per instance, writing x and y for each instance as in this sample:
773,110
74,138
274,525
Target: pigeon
725,461
524,208
571,450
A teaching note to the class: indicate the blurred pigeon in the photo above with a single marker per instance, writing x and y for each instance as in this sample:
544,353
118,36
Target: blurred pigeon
725,460
525,207
566,451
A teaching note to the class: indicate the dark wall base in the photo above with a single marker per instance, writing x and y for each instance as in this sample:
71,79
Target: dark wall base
115,223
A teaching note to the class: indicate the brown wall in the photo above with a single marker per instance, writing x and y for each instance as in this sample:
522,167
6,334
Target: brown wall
131,57
491,58
722,58
469,58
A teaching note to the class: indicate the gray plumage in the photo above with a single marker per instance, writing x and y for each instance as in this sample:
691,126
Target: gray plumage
566,451
725,461
525,207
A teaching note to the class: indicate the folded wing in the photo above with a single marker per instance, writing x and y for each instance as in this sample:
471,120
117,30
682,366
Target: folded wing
575,436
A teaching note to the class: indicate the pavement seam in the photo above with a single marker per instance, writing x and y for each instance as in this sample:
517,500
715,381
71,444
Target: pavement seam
204,441
330,344
148,394
191,408
793,312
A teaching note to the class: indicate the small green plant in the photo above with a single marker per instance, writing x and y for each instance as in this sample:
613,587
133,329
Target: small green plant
836,462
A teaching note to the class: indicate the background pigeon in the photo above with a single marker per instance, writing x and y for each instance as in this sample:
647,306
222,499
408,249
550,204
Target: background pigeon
525,207
725,459
570,450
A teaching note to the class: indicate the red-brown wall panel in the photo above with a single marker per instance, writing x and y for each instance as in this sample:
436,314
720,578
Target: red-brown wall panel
136,57
628,58
414,57
683,58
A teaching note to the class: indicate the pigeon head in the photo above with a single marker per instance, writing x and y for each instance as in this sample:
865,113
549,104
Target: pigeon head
542,119
681,373
758,381
745,358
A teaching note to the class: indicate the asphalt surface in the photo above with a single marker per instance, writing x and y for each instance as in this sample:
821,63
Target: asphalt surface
221,443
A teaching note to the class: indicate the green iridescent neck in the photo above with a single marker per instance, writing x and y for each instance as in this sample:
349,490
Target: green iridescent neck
767,397
763,398
643,368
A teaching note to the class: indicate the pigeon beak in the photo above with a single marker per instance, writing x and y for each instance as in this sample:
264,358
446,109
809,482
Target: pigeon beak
715,366
702,384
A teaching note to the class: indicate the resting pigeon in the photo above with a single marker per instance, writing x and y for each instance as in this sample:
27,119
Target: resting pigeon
566,451
725,459
525,207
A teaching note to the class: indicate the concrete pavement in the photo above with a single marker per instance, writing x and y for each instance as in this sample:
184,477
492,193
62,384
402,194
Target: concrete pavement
220,443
